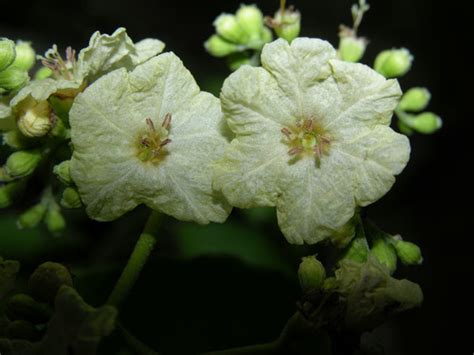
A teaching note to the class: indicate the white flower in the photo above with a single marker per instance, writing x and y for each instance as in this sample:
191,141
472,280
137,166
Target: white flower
148,136
312,138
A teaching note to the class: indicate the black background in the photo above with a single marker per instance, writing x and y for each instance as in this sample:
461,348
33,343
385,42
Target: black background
431,203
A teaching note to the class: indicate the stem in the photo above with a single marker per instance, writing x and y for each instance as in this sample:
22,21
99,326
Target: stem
137,260
268,348
282,8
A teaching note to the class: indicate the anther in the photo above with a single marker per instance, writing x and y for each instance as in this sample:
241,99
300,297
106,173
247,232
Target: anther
165,142
295,151
150,124
286,132
308,125
167,121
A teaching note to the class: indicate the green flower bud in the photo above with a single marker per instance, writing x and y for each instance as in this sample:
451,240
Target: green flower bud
409,253
32,217
23,306
267,35
229,28
250,19
427,123
236,60
358,250
219,47
46,280
63,173
311,274
23,163
21,329
43,73
55,221
393,63
415,99
7,53
352,49
12,79
8,192
287,26
71,198
25,56
385,253
35,118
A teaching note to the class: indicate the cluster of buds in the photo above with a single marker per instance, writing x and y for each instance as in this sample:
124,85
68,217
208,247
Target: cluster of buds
411,117
16,59
239,37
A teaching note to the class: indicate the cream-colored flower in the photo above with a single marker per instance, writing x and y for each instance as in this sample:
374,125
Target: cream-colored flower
312,138
148,136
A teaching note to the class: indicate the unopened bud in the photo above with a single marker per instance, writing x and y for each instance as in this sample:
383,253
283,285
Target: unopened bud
55,221
229,28
415,99
352,49
8,192
409,253
25,56
32,217
63,172
288,24
43,73
35,119
71,198
219,47
250,19
393,63
385,253
7,53
23,163
12,79
236,60
46,280
427,123
311,274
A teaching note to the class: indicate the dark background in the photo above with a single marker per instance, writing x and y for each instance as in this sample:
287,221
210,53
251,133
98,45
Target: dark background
201,302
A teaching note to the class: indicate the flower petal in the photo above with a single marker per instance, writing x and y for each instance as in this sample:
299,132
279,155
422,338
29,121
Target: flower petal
298,66
317,201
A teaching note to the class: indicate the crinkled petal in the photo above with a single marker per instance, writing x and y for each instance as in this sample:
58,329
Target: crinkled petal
41,90
298,66
106,125
316,201
251,174
108,52
254,104
375,157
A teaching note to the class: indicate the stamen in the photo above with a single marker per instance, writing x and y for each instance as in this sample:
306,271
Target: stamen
308,125
165,142
146,142
317,151
325,139
150,124
167,121
286,132
295,151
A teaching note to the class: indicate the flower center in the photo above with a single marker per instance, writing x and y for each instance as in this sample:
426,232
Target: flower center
306,138
151,144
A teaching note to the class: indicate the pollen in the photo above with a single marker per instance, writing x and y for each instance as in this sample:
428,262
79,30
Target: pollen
151,143
306,138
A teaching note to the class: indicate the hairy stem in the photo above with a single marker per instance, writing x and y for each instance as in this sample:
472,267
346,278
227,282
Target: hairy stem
137,260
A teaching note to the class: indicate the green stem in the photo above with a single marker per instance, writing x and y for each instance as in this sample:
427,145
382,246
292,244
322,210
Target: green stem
282,8
137,260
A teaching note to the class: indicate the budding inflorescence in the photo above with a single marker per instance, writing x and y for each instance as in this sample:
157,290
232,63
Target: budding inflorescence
307,137
152,142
